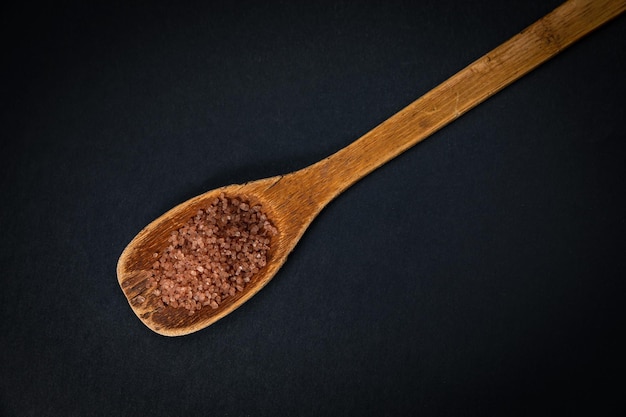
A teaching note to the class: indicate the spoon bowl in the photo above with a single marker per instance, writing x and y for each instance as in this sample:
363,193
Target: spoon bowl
134,265
292,201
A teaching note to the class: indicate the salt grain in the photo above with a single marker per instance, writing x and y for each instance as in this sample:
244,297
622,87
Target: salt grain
213,256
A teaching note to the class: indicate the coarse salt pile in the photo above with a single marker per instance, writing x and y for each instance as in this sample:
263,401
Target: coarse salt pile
213,256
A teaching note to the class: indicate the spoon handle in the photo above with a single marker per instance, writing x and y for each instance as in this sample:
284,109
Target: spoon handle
468,88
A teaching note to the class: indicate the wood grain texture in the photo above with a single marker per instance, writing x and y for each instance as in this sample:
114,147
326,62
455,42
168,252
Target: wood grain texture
292,201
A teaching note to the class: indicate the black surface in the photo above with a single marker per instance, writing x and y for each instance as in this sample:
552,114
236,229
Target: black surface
480,273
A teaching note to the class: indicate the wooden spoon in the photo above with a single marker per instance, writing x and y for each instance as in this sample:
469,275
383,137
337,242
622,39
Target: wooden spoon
292,201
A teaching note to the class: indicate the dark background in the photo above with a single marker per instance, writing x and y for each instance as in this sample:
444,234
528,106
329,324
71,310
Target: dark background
480,273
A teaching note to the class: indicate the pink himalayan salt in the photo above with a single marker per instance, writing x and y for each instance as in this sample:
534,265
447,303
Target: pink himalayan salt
213,256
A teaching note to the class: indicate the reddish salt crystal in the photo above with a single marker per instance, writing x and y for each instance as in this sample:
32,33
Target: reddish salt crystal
225,244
